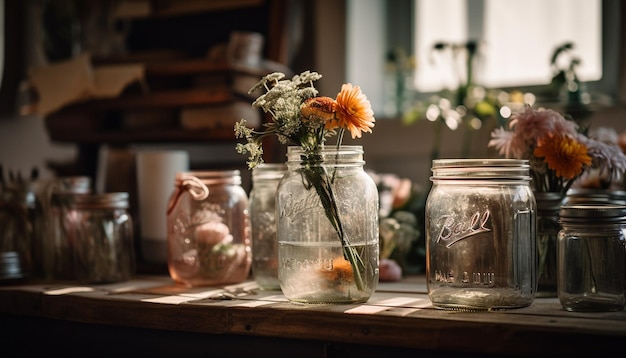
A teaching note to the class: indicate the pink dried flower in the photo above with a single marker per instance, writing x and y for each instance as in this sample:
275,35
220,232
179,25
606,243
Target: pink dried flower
608,159
532,124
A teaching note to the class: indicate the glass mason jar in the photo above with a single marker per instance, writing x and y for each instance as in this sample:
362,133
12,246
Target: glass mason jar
591,257
548,206
102,228
265,179
57,245
481,235
317,199
208,229
18,212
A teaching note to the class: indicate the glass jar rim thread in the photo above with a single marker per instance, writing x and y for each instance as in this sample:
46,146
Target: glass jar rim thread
330,155
472,169
118,200
592,213
211,177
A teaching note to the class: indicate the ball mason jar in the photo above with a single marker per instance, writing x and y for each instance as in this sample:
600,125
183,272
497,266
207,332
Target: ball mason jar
314,266
591,254
102,229
208,229
265,179
481,235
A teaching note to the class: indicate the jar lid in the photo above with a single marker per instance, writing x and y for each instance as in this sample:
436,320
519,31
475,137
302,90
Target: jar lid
100,201
596,196
510,169
593,213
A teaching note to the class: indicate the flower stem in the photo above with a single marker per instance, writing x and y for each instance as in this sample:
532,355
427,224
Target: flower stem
317,176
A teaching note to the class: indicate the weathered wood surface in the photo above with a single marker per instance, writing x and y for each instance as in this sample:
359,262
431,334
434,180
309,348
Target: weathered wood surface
398,315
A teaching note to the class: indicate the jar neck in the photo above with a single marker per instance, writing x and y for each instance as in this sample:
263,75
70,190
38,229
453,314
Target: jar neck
592,225
197,184
268,172
216,177
327,156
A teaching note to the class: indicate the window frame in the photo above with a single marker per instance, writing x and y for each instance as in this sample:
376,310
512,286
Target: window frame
609,90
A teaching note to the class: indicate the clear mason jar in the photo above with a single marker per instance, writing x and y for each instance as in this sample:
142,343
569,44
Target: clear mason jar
481,235
548,206
57,244
18,210
591,257
314,266
265,179
208,229
102,228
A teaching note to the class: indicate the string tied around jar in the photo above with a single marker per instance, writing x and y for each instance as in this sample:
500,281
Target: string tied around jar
188,183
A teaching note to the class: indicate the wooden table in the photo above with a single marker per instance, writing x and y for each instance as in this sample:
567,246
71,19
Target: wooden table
151,316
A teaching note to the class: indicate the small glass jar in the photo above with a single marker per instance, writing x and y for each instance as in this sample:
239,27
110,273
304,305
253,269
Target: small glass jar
265,179
208,229
18,209
317,199
57,245
481,235
591,257
102,229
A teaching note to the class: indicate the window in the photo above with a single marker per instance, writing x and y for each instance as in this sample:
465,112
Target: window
516,40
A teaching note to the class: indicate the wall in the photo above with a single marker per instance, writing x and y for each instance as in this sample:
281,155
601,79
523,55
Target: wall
392,147
24,144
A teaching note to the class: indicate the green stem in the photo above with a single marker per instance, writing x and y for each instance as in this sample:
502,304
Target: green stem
317,176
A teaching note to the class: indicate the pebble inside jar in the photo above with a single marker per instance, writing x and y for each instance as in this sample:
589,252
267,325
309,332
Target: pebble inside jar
481,235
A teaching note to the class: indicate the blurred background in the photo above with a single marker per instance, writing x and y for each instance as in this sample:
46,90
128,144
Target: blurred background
405,54
85,85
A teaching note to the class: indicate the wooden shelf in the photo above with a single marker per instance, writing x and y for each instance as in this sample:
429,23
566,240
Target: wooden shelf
398,320
186,74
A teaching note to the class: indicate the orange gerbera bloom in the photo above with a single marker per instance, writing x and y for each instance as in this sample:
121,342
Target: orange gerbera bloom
320,108
563,154
354,111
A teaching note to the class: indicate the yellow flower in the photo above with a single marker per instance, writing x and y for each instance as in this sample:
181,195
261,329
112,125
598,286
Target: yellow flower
563,154
354,111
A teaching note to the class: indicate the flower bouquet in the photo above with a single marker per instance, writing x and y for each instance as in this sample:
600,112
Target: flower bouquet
302,118
559,153
558,150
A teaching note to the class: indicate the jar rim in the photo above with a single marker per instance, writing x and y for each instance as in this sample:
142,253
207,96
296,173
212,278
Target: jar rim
209,177
345,155
347,149
269,171
593,213
473,163
115,200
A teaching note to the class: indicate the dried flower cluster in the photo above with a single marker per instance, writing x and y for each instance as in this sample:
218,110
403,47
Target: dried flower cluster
557,150
301,118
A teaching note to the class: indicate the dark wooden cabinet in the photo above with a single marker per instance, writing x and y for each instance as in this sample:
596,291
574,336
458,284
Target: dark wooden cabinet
177,43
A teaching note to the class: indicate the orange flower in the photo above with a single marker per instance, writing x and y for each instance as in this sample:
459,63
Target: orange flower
354,111
341,271
563,154
319,107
